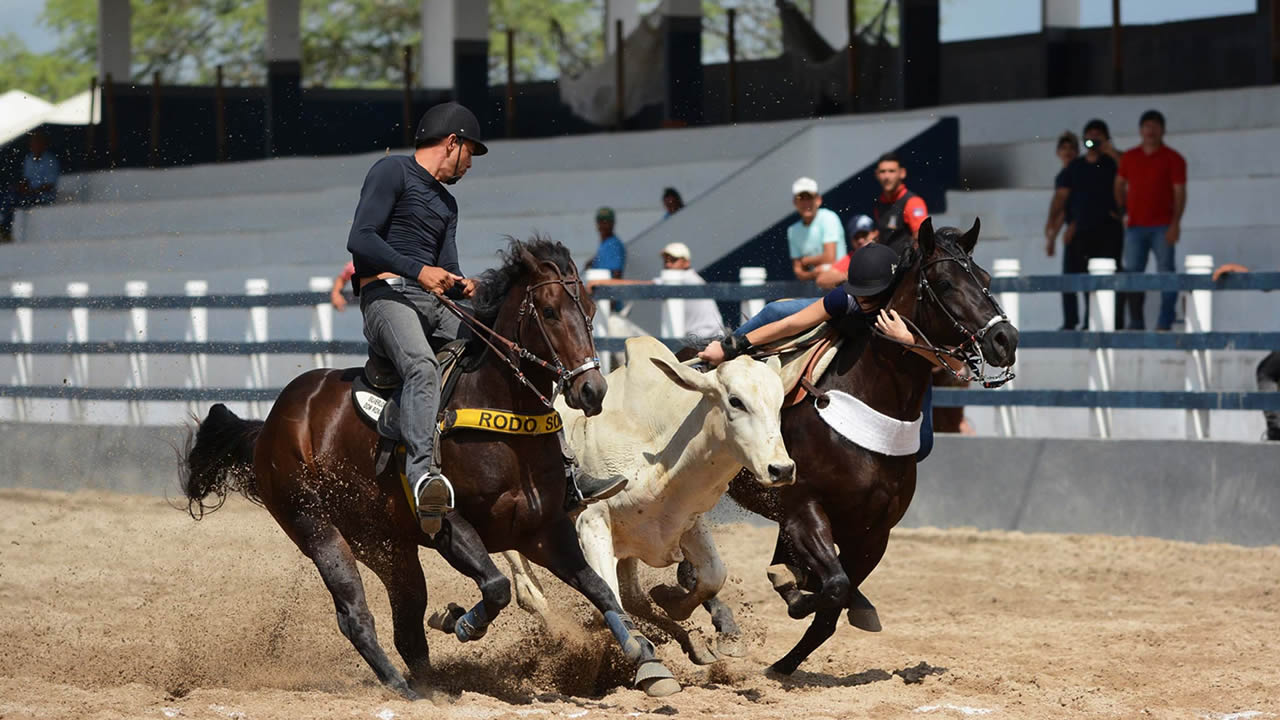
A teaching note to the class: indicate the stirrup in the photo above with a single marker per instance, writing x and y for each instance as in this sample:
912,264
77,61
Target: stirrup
434,495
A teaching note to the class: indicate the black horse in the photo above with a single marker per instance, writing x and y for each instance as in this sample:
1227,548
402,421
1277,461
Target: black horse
845,495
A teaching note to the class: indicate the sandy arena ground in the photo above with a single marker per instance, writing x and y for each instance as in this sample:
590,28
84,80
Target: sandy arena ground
117,606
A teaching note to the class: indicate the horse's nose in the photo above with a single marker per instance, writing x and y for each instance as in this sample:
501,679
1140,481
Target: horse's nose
1002,344
591,393
782,473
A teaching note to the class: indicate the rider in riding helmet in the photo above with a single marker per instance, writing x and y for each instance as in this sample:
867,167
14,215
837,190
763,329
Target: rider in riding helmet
402,242
856,306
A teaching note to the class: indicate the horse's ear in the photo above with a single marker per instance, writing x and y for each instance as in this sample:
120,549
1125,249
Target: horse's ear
774,364
527,257
685,376
970,238
925,238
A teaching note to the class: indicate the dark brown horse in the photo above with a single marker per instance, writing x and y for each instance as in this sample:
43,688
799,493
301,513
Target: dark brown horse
312,465
850,497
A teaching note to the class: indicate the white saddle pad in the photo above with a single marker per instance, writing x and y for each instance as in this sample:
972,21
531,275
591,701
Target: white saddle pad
867,428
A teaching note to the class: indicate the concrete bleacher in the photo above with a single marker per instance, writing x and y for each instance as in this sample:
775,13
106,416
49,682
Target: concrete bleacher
287,219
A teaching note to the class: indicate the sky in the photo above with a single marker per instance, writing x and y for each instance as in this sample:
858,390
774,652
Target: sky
961,19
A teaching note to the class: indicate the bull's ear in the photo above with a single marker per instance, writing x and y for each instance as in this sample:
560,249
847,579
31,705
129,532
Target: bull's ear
685,376
925,238
774,364
970,238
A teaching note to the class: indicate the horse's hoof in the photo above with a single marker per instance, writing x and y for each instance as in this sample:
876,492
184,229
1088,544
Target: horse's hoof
780,669
656,680
403,690
672,601
801,605
730,645
865,618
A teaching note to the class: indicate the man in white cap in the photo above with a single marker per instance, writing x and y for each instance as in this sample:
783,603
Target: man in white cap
817,238
701,317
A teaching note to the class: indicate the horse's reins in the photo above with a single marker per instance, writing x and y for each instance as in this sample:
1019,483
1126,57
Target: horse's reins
968,352
515,352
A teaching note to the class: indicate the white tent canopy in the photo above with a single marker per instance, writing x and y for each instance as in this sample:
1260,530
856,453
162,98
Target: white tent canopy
20,111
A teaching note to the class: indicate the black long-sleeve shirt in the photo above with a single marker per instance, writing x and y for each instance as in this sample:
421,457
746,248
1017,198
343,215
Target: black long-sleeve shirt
405,220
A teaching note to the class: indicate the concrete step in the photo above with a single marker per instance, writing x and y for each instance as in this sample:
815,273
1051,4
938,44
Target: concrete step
634,191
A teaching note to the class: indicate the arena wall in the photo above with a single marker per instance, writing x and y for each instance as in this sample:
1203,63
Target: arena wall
1182,490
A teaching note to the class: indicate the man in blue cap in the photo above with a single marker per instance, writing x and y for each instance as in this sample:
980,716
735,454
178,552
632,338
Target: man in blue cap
402,242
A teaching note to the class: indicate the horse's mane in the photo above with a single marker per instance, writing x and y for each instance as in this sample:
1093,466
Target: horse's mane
493,286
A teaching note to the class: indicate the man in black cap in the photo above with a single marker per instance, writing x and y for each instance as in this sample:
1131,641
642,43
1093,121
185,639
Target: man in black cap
402,242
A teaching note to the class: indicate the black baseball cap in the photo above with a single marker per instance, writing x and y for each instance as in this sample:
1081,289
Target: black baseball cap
448,119
872,270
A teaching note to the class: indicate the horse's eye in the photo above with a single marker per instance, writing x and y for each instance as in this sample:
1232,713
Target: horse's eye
549,312
735,403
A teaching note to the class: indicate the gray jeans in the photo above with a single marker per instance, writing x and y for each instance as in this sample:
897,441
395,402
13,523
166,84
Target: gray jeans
403,323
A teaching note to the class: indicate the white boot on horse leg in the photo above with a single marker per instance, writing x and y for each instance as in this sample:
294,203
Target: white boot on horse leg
700,550
529,594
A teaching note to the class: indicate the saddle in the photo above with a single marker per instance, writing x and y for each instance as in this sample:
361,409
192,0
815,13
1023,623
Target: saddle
805,358
376,390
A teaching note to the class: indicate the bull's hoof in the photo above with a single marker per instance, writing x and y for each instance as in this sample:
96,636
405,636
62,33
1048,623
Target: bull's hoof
731,645
446,620
402,689
701,652
656,680
673,601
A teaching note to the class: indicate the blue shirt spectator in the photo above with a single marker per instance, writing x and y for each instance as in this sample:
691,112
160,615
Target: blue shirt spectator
612,254
38,186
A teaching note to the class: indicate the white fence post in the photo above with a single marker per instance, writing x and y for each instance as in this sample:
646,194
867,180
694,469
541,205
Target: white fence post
78,333
322,320
22,361
1102,306
1008,268
600,328
751,276
673,308
1199,315
257,332
137,332
197,331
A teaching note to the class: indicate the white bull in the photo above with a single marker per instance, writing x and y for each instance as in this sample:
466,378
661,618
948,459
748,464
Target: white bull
679,437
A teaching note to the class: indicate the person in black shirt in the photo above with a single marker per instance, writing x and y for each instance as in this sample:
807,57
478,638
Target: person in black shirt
1081,197
402,243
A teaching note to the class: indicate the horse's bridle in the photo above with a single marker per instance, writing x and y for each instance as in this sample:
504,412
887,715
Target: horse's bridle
968,352
515,351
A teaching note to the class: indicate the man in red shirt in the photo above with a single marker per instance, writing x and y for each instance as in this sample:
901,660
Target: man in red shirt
897,206
1151,186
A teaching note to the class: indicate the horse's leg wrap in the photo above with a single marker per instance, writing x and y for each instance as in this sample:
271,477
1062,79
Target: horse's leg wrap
635,647
473,625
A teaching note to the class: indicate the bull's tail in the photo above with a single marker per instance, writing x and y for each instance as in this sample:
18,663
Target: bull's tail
217,460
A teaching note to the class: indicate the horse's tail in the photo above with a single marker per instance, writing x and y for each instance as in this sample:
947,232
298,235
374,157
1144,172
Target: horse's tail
217,459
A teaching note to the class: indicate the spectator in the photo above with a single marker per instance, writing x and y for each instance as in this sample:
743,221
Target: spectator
1268,372
1084,193
38,186
336,296
1151,187
897,206
701,317
672,201
817,238
861,231
1068,147
612,254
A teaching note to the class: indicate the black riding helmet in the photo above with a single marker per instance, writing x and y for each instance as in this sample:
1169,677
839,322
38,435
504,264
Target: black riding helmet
872,270
448,119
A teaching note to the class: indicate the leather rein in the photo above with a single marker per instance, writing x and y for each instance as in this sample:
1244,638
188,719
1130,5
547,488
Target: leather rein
513,352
